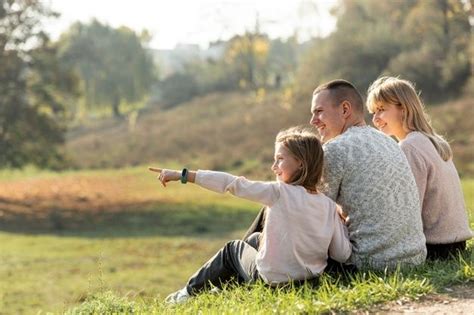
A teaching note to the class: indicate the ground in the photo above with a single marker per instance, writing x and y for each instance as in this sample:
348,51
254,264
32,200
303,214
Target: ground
456,300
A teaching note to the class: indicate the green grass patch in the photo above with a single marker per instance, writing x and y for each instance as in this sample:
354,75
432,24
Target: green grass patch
468,190
53,273
259,299
333,294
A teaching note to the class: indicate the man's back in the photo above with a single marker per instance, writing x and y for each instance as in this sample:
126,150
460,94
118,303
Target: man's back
369,176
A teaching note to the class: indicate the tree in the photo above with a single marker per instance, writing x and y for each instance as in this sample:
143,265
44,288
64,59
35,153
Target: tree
423,41
436,47
282,60
112,63
362,45
247,55
33,86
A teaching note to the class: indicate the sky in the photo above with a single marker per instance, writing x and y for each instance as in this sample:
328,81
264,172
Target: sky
199,22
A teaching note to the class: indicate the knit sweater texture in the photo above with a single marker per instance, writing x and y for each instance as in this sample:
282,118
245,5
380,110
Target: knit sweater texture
443,209
368,175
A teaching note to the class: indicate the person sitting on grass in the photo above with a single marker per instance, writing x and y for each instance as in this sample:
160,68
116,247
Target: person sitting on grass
367,174
398,111
302,226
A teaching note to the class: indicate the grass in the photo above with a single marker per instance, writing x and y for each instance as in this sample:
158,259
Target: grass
160,237
342,294
260,299
53,273
131,259
468,190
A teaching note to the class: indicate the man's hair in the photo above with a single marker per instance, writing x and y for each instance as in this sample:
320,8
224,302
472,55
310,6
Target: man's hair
305,146
342,90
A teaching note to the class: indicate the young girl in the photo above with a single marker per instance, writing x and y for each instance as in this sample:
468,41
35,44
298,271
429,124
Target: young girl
399,112
302,226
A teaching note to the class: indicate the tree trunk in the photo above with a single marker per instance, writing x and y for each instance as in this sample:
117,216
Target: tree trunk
116,106
445,8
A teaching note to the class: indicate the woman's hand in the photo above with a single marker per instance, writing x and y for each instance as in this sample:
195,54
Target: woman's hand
166,175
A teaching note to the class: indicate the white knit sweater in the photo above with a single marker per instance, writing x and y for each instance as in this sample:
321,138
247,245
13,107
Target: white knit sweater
301,229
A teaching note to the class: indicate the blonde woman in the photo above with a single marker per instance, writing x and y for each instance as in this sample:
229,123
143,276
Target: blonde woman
398,111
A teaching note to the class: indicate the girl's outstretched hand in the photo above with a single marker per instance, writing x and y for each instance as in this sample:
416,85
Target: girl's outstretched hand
166,175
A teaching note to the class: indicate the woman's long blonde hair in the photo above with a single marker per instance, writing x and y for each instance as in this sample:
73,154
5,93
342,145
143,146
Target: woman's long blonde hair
402,93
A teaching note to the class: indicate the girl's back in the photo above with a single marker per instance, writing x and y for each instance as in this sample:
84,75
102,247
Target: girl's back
301,229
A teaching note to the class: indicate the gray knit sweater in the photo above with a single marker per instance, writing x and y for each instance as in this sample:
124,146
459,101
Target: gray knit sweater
369,176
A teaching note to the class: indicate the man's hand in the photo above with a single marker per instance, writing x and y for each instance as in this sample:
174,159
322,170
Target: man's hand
166,175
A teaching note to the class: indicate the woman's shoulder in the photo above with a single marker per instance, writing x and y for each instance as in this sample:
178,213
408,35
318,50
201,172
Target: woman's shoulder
419,150
417,142
414,137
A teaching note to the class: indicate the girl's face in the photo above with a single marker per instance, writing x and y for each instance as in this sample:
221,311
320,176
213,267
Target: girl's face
285,165
389,120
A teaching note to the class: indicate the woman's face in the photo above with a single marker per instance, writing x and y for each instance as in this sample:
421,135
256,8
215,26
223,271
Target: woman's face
285,165
389,120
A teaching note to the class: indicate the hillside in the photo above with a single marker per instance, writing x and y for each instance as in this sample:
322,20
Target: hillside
229,131
217,131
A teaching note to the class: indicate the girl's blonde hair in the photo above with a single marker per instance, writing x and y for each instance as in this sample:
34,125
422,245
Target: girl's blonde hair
305,146
401,93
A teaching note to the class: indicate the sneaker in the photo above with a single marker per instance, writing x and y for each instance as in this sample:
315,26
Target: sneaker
178,297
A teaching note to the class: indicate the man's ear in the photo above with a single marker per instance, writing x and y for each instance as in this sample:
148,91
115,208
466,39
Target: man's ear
346,109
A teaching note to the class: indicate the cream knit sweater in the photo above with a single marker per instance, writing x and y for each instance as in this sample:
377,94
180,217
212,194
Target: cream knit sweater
301,229
443,210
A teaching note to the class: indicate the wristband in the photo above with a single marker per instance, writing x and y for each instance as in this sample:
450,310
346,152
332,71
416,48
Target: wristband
184,176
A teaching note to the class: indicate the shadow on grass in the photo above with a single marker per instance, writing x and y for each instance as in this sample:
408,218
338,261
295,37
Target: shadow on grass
137,220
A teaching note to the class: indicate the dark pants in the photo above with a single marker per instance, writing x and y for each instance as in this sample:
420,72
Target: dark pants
444,251
233,262
333,267
257,224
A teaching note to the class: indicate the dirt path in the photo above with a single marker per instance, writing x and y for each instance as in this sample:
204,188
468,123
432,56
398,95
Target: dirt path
455,300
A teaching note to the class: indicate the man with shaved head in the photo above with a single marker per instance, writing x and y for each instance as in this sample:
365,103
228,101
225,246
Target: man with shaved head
368,175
